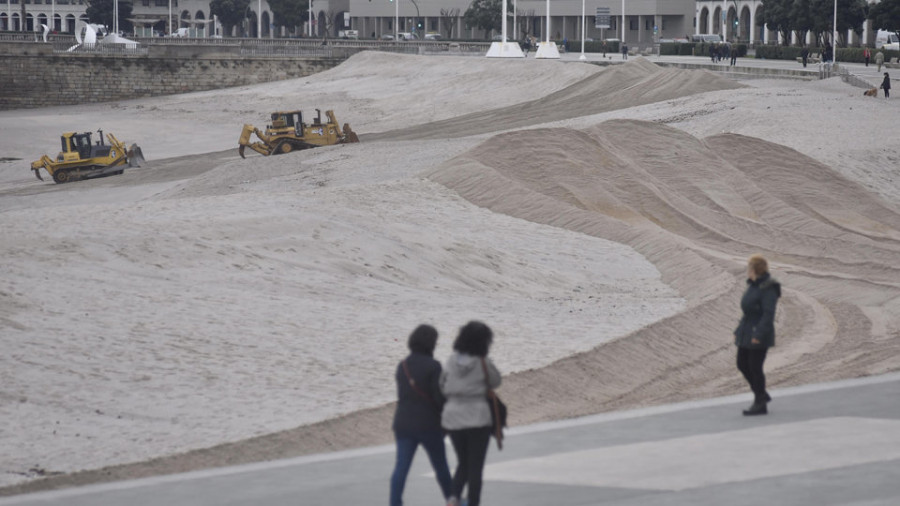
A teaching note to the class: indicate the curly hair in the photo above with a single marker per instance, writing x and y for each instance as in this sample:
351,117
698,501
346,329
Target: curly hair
474,339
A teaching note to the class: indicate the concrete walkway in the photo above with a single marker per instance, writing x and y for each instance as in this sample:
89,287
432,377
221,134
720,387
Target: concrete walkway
821,445
750,67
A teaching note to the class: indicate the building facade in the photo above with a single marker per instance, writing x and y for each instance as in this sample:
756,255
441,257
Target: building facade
740,24
149,17
645,21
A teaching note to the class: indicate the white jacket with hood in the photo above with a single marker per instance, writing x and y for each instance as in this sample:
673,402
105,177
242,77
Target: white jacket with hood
462,383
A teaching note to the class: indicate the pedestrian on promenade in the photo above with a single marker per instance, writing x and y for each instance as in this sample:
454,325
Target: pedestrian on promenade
867,54
804,53
733,56
624,51
417,419
755,333
467,414
886,85
879,60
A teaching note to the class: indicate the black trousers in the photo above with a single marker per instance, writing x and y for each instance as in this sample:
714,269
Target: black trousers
471,446
750,363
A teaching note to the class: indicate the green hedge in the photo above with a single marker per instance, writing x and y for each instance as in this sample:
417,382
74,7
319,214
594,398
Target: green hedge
845,54
695,49
592,46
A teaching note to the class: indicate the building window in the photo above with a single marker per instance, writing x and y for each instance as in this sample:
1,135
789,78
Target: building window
632,24
663,27
161,3
612,22
647,25
145,3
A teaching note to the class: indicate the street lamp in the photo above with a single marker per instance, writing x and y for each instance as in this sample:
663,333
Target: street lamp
834,37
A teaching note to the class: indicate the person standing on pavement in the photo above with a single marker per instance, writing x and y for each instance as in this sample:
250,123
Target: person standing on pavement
804,53
417,419
867,54
886,85
624,51
467,414
879,60
755,333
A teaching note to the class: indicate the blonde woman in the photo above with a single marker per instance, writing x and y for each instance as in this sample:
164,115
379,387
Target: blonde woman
755,333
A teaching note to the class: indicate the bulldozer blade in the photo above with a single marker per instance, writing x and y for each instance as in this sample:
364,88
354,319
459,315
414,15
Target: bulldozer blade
135,156
349,135
241,151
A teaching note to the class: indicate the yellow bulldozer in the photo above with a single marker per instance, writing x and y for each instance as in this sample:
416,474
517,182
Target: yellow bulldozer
82,159
288,132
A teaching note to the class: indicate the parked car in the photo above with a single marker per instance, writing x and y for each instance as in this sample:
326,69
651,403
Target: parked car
434,36
408,36
885,38
387,36
706,37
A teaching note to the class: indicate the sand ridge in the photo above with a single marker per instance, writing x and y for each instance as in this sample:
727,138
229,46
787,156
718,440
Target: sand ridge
209,279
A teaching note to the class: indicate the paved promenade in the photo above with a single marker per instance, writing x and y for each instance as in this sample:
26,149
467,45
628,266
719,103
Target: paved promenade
821,445
751,66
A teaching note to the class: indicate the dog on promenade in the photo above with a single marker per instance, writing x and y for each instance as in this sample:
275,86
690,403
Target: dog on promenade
871,92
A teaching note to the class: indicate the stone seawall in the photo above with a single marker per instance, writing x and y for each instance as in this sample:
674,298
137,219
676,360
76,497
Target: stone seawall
33,75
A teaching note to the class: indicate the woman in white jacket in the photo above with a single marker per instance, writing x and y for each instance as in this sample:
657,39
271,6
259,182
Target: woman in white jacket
467,415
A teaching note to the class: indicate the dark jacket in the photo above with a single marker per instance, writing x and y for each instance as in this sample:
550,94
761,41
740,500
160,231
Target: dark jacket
758,305
886,84
414,412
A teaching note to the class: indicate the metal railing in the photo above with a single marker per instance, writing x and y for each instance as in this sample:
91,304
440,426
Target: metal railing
97,48
66,43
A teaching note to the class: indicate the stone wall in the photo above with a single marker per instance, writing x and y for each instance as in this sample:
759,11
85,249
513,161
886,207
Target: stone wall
32,75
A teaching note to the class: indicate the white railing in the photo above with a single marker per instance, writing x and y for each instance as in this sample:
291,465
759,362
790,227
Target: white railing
96,48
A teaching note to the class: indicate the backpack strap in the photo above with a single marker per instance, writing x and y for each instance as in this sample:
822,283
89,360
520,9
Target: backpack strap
414,386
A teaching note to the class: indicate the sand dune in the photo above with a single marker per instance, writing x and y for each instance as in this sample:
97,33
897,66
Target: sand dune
209,310
696,209
633,84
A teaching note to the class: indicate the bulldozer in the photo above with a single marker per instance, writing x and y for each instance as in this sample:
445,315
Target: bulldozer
288,132
80,158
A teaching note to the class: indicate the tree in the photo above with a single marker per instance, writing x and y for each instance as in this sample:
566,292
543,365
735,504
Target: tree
101,13
289,13
485,14
886,16
804,20
777,16
449,19
230,12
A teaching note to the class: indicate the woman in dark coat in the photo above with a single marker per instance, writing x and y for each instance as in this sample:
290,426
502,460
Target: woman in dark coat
886,85
417,419
755,333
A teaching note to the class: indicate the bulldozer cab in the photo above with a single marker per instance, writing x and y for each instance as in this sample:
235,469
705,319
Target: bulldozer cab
77,143
290,119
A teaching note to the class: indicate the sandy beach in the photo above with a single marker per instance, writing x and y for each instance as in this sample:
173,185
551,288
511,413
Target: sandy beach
206,310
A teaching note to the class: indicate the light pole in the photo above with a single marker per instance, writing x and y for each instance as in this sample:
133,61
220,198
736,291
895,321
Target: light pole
724,20
834,41
417,15
396,20
582,57
259,19
309,25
